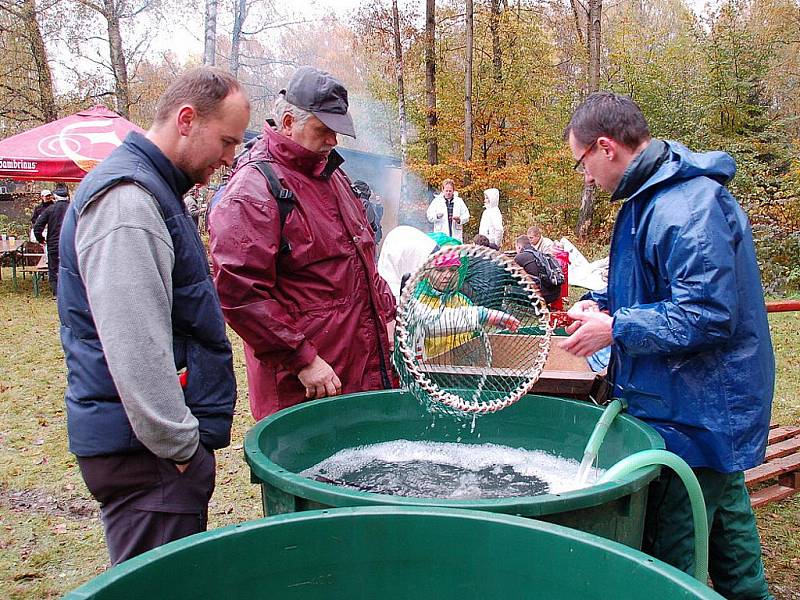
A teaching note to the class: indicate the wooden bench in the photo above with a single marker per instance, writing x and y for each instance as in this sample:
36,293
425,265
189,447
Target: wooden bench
39,272
782,463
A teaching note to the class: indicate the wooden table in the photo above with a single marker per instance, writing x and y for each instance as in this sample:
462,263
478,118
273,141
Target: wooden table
11,249
563,374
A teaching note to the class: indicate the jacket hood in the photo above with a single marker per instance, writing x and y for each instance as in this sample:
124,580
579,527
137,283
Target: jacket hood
493,197
683,164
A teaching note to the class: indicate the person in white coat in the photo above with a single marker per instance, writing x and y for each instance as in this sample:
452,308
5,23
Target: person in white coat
492,220
404,251
447,212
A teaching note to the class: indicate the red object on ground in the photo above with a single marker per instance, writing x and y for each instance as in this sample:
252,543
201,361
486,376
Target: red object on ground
562,256
64,150
783,305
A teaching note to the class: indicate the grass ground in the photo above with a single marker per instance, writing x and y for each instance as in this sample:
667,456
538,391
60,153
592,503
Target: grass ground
50,537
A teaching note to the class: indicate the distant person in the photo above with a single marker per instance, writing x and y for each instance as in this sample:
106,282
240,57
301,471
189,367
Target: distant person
558,252
46,202
447,212
404,251
448,315
61,189
537,240
192,203
372,207
492,219
50,220
482,240
217,196
150,383
483,284
684,314
543,268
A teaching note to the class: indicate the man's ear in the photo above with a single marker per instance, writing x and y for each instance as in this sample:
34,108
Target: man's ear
608,147
287,120
186,118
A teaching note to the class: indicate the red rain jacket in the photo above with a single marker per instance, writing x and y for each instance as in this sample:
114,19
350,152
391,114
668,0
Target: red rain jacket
323,297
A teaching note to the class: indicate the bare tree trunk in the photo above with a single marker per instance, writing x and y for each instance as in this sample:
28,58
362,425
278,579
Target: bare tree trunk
497,70
210,47
594,36
593,39
577,16
430,80
497,54
470,25
398,71
43,75
586,212
118,64
239,16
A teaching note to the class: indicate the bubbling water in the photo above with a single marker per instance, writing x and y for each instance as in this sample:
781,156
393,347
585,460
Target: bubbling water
450,471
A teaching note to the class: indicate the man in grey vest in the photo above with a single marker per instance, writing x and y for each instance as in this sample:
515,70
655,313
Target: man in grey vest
150,384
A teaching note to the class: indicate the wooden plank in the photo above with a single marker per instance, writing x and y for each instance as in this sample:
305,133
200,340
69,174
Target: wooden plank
791,480
773,493
771,469
782,433
505,372
784,448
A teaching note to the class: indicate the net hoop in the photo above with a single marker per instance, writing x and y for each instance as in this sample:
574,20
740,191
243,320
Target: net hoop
418,379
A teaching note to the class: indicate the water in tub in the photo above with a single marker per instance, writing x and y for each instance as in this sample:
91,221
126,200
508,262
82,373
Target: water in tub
450,470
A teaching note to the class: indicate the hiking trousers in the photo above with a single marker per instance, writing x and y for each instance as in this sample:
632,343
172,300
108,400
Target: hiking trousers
734,549
145,501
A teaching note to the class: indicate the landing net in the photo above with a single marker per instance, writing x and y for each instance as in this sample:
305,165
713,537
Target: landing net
473,331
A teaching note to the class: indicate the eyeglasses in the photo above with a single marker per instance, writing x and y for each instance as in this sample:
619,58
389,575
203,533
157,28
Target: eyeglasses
579,168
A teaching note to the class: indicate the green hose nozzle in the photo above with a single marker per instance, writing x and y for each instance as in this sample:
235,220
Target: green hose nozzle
596,439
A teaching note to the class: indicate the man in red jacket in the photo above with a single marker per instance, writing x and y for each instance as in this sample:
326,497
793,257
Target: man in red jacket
302,289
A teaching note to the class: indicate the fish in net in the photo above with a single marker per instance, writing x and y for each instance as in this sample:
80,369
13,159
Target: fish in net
473,331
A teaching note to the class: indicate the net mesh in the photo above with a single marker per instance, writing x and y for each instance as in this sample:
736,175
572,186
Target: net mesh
472,332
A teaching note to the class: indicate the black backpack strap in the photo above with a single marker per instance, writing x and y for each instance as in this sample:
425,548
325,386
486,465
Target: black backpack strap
283,196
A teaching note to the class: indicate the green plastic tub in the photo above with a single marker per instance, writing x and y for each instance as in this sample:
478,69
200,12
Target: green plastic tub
288,442
390,553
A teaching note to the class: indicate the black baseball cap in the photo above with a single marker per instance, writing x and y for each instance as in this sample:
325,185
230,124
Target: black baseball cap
322,95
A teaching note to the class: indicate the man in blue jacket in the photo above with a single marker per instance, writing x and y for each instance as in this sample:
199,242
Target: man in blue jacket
686,322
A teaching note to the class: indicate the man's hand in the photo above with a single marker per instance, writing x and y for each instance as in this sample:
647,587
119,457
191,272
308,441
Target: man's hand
590,332
457,219
320,380
390,332
502,320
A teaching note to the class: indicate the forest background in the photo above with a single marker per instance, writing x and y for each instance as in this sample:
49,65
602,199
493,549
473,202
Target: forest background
476,90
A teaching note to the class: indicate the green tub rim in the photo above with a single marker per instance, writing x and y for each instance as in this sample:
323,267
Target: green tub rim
528,506
668,572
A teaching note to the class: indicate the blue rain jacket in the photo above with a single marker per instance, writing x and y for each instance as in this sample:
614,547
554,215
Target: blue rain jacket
692,354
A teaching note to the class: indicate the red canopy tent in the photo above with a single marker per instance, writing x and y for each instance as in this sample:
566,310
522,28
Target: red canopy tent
64,150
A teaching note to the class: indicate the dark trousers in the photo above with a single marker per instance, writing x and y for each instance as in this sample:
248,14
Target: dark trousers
52,269
145,501
734,549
